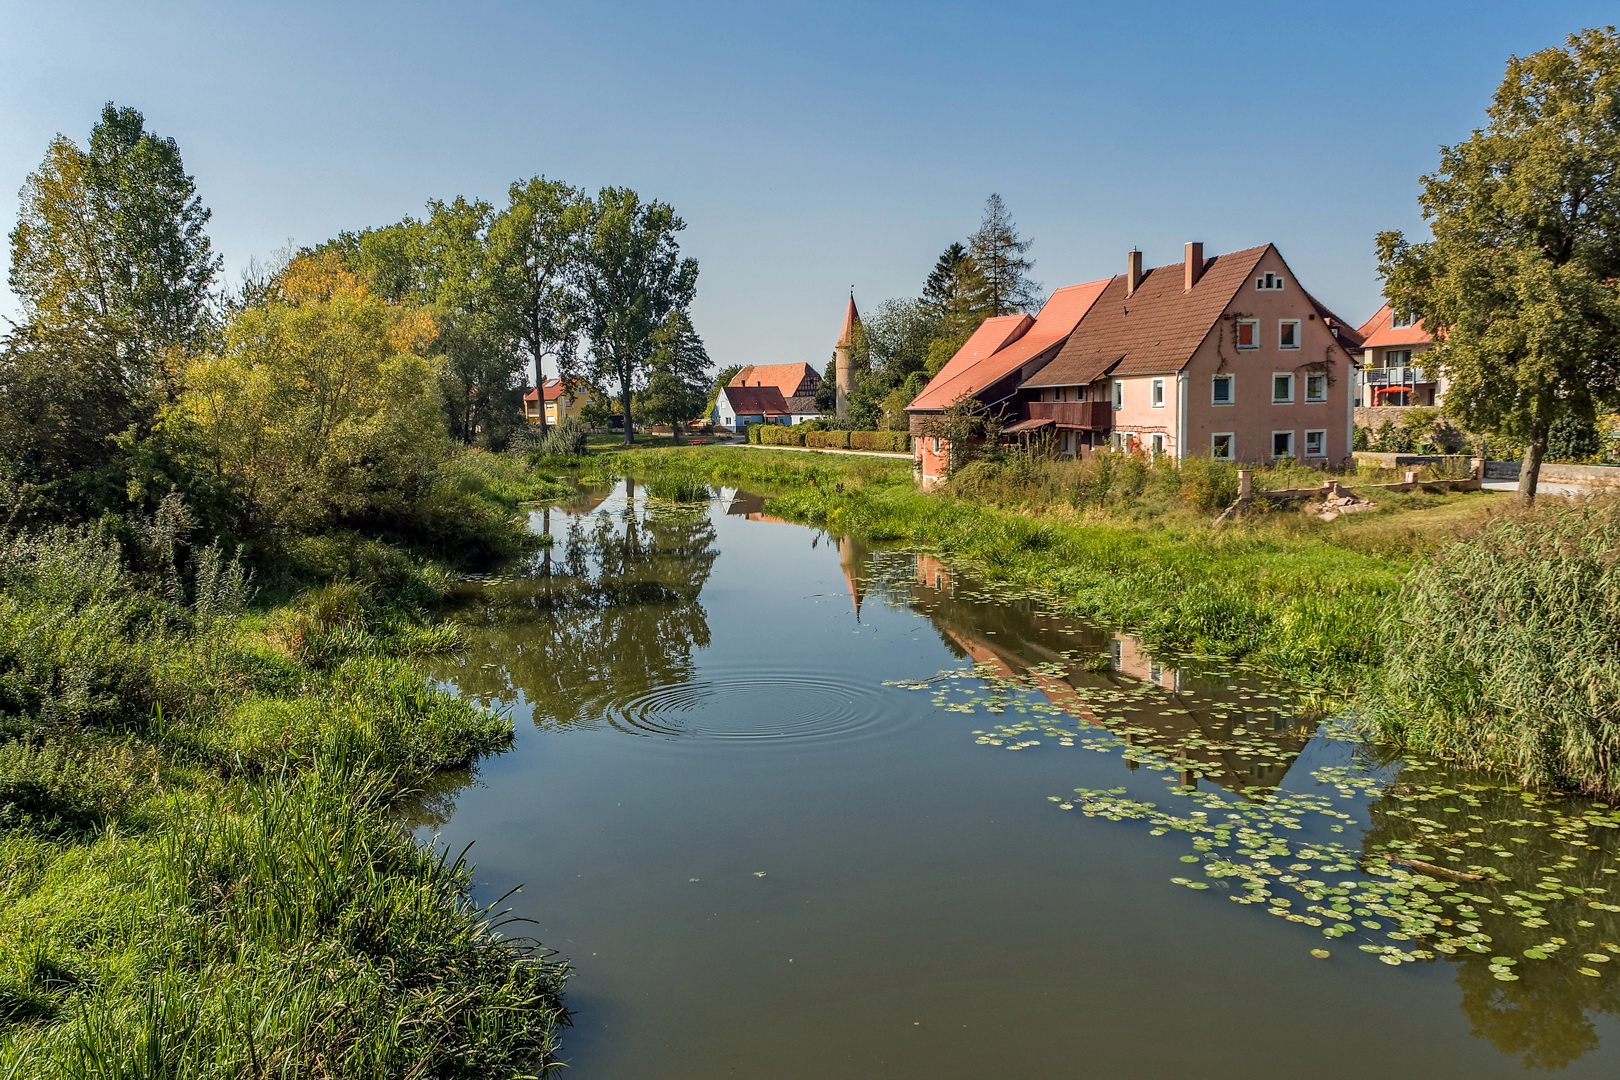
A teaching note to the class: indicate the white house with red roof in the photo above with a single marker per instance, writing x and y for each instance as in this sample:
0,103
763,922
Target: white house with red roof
768,394
1392,372
1226,357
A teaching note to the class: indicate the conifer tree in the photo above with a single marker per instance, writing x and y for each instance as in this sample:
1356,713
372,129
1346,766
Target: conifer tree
1002,284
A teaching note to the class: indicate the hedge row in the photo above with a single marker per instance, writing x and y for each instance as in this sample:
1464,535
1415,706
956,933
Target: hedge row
898,442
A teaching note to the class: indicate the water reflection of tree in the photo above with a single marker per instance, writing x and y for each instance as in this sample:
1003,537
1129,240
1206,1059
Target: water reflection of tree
1025,641
1545,1018
609,615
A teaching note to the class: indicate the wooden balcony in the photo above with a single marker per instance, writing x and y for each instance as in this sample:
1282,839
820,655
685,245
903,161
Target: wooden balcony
1088,415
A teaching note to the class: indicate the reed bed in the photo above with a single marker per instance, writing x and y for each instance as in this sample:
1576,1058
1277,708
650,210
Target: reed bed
1504,652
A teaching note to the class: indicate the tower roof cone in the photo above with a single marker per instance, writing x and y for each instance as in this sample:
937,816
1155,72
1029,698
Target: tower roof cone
852,319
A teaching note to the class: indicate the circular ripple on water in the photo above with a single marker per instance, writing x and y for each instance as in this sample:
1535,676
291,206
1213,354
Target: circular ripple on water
782,706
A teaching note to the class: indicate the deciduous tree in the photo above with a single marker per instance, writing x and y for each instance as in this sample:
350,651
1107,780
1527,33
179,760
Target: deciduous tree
321,406
537,240
1519,283
632,277
110,247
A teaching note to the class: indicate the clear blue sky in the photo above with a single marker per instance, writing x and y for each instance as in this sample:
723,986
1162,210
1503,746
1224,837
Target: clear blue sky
809,146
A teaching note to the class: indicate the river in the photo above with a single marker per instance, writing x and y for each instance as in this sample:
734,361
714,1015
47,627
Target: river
797,808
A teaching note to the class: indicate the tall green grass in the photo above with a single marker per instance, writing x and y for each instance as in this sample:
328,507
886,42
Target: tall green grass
201,868
1504,652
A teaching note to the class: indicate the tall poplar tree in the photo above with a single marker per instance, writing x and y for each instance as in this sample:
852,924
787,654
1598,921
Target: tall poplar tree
537,239
632,278
1520,285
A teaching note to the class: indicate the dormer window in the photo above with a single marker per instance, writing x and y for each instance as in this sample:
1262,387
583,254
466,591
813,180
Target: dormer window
1269,282
1401,322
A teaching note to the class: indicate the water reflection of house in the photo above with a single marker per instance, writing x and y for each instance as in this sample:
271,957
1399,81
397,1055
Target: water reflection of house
1024,641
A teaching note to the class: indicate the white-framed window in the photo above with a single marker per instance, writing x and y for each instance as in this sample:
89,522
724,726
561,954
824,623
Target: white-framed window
1119,394
1156,443
1401,322
1288,334
1269,282
1158,393
1316,387
1222,390
1248,333
1223,446
1282,444
1282,387
1316,443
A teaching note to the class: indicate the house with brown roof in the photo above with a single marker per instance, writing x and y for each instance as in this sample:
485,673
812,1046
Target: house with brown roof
738,406
1226,357
795,384
1392,373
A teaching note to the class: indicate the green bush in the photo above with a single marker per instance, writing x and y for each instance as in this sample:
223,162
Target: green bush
835,440
898,442
777,435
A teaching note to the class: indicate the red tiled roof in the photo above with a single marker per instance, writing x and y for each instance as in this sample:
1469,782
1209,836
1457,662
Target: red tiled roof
790,379
756,400
554,390
993,334
1056,321
1155,329
852,319
1379,333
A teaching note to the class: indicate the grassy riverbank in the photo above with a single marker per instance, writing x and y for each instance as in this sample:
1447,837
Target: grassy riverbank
1289,593
202,867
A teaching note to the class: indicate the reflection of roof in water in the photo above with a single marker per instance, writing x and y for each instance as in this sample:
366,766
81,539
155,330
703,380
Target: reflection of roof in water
1015,638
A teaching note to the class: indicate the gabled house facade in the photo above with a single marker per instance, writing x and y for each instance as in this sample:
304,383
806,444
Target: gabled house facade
797,383
1226,357
1392,370
738,406
557,399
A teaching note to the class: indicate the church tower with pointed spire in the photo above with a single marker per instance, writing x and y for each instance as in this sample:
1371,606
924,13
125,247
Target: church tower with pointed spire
844,358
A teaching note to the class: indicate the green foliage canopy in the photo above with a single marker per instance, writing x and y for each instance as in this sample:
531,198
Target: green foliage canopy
1521,282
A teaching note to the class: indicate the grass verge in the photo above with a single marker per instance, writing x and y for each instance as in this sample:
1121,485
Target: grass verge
202,870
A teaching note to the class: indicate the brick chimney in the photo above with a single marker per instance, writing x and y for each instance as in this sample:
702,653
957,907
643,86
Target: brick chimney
1194,264
1133,271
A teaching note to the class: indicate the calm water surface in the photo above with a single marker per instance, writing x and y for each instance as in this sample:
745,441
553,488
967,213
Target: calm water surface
765,861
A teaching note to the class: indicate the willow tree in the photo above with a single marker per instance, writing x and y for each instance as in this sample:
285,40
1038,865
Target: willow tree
1519,283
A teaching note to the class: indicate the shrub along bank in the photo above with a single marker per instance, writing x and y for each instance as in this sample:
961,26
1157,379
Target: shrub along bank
815,435
202,870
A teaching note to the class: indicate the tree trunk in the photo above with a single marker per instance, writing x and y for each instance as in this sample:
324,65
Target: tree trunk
540,391
624,400
675,432
1535,448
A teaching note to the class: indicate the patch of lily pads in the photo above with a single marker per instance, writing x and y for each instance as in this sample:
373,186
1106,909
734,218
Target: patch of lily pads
1446,864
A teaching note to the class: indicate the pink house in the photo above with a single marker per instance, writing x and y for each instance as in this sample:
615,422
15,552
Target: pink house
1226,357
